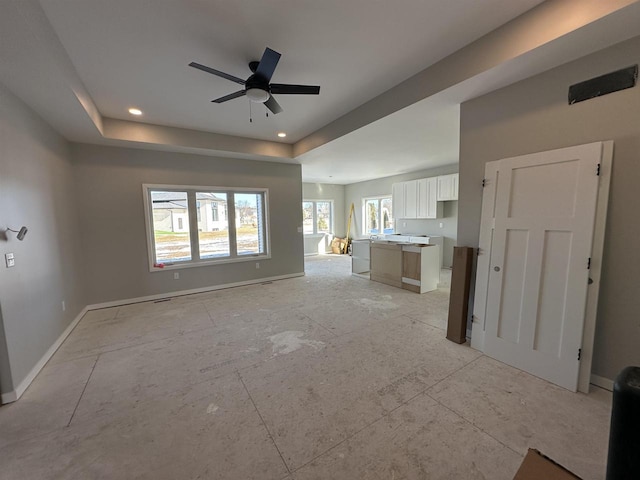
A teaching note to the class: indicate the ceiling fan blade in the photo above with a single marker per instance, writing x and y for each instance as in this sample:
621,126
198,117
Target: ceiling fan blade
284,89
231,96
272,105
213,71
268,63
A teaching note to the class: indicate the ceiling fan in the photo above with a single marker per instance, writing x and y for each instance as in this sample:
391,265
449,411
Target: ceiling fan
257,87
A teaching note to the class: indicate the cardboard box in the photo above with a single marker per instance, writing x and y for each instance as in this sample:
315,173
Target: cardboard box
537,466
339,245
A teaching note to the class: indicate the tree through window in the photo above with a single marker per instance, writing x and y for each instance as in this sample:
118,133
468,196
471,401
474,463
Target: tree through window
377,215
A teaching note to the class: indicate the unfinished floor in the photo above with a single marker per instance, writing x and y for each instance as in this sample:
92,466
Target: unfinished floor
326,376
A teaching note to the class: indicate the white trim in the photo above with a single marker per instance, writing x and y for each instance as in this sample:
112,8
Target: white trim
411,281
233,257
209,263
379,198
15,394
485,244
180,293
314,216
602,382
205,188
597,249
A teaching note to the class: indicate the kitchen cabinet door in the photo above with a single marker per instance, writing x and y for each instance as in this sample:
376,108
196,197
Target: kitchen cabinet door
427,198
448,187
397,199
411,199
423,198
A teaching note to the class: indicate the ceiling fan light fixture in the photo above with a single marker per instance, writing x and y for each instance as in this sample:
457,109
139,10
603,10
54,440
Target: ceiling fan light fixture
257,95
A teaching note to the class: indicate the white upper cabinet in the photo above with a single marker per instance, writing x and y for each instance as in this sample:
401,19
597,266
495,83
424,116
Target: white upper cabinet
427,198
447,187
416,199
411,199
397,200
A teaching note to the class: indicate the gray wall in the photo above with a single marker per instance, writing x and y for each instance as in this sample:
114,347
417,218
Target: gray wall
355,192
533,116
36,190
112,218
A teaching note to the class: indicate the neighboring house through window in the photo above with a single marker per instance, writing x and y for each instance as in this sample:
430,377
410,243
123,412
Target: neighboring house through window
191,226
377,214
317,216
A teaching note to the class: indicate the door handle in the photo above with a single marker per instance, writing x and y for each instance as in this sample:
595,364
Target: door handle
497,269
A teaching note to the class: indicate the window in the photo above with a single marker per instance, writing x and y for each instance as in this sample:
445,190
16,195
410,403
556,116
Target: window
192,226
215,216
317,216
378,215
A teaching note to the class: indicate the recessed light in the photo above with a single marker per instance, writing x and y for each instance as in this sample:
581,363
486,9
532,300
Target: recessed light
282,134
135,111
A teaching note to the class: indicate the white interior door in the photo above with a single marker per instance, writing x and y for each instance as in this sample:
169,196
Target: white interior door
538,266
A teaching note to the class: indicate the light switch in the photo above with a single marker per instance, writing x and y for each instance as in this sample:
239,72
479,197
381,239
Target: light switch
9,258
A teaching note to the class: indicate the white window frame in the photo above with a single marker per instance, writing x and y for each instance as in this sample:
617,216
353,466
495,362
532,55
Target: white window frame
379,199
315,215
147,188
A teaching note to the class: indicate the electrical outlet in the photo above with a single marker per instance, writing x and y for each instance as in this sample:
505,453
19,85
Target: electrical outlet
176,276
64,306
257,265
10,259
404,224
441,225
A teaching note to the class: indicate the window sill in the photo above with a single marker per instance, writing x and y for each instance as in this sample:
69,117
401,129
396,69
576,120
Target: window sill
208,263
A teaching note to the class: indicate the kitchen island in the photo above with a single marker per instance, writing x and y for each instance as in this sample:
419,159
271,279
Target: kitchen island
412,266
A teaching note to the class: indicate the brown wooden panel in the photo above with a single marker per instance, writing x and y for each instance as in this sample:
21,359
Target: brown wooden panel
411,288
459,297
386,264
411,265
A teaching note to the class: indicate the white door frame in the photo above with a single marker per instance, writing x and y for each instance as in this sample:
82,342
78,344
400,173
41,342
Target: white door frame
484,260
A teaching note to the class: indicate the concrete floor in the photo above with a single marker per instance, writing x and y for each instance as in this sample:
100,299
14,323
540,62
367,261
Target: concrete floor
327,376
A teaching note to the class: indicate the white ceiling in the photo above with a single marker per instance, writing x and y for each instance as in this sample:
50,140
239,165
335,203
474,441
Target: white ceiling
82,63
423,135
136,53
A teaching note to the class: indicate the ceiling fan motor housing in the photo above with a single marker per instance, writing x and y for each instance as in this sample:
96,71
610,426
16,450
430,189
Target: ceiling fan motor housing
257,81
257,88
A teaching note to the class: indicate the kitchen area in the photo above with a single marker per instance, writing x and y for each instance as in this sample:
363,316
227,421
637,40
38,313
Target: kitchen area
407,259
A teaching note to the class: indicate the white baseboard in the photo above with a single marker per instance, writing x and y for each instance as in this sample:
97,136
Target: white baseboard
180,293
602,382
15,394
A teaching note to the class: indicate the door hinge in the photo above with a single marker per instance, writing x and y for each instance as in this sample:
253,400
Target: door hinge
589,264
598,170
579,353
